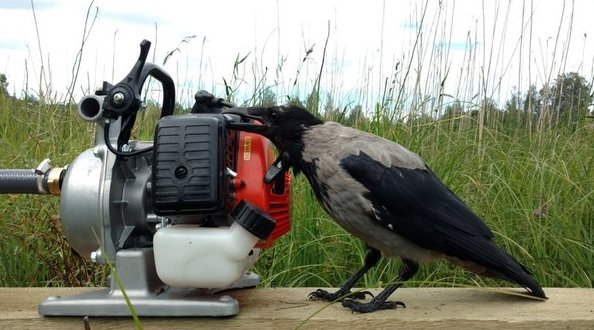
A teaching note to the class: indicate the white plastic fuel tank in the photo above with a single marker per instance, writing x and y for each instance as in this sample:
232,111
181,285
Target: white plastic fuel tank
203,257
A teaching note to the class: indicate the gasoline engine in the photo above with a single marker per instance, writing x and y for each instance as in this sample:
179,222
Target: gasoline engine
181,218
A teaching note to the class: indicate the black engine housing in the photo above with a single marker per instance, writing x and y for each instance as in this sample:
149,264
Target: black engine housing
189,164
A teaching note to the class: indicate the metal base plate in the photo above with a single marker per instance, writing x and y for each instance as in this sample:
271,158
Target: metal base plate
169,303
147,294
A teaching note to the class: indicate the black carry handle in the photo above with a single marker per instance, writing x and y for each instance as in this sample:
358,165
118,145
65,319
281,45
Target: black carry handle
163,77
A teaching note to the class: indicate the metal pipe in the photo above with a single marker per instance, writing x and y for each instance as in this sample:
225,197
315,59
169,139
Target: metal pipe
90,108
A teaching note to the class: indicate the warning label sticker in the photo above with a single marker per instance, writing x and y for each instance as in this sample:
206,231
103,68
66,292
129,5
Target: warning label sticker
247,148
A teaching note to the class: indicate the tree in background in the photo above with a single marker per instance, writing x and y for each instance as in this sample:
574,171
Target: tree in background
267,98
565,101
357,117
3,84
568,98
453,110
532,101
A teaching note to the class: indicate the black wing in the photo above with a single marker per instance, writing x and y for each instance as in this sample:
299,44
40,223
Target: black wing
415,204
422,208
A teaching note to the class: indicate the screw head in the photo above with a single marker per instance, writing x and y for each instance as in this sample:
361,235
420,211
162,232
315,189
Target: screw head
118,98
181,172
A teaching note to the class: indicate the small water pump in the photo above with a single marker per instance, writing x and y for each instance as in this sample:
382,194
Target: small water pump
182,217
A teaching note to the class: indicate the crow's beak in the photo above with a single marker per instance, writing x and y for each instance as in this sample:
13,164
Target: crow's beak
256,112
249,113
250,127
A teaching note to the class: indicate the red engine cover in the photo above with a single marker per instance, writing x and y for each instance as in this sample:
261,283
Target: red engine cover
254,156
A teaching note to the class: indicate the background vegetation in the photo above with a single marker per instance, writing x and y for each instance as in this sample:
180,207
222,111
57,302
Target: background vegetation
524,164
531,181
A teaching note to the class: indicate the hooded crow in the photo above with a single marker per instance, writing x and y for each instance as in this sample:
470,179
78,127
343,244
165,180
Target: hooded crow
388,197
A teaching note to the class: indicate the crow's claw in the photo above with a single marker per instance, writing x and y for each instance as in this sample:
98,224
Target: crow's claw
356,306
360,295
320,294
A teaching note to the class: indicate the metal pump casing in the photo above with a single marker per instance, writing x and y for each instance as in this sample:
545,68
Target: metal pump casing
103,201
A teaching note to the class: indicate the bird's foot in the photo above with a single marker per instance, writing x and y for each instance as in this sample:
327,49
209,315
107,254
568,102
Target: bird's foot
320,294
372,306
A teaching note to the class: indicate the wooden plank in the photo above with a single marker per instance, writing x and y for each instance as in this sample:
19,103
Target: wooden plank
289,308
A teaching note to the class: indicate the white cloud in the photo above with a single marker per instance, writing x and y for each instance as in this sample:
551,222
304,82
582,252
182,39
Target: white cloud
367,40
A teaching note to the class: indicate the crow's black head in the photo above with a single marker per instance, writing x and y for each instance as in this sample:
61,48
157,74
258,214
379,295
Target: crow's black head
284,125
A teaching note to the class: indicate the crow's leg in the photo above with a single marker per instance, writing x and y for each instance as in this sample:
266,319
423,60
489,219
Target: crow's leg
371,259
408,269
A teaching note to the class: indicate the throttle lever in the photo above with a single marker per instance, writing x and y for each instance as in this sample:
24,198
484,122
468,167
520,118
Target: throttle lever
124,98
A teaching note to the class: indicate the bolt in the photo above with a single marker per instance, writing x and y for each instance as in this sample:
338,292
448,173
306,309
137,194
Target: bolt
230,172
118,98
127,148
97,151
97,256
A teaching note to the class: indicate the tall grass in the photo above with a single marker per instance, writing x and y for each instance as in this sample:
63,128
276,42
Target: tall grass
537,197
33,250
530,180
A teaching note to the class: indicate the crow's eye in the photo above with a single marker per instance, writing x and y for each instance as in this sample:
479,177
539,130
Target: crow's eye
274,116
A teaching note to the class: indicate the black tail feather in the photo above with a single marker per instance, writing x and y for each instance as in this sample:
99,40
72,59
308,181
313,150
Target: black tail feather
493,261
514,271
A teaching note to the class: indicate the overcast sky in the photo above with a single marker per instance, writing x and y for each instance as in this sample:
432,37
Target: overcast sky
367,39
